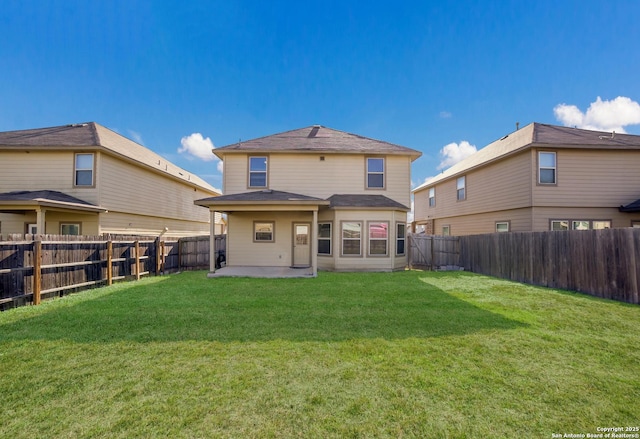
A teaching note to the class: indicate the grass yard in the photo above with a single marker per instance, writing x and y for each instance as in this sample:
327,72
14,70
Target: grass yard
408,354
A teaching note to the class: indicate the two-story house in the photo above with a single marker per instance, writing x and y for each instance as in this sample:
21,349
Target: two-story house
86,179
315,198
538,178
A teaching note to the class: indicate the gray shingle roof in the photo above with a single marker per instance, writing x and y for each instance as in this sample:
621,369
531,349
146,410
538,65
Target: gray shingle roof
264,196
46,196
91,135
364,201
537,134
631,207
319,139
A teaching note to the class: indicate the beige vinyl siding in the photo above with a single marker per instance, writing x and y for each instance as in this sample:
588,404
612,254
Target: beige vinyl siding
309,175
42,170
243,251
590,178
130,224
126,188
498,186
519,219
542,216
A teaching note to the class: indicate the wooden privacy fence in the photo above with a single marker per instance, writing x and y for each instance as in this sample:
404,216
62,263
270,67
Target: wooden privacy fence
602,263
433,252
34,267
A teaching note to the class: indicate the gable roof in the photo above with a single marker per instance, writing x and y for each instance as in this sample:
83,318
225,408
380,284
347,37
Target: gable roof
93,136
47,198
537,135
317,139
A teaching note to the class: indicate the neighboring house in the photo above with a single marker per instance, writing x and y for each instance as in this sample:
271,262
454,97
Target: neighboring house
541,177
315,197
86,179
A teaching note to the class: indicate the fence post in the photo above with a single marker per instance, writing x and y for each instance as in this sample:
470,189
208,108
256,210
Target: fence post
136,264
37,271
109,262
158,257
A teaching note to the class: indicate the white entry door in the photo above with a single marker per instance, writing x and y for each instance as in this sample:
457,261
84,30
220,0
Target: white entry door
301,245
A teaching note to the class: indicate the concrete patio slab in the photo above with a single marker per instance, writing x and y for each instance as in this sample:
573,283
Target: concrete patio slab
265,272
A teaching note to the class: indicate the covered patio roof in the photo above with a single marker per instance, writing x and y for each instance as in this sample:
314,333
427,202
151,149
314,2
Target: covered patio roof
33,200
631,207
266,199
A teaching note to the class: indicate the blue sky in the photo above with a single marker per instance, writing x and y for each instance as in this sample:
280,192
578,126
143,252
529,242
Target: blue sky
434,76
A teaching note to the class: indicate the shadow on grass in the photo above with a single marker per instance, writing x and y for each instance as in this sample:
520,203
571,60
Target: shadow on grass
332,307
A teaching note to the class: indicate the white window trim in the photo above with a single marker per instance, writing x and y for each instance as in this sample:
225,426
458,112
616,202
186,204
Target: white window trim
273,231
401,237
265,172
76,169
463,188
555,168
431,197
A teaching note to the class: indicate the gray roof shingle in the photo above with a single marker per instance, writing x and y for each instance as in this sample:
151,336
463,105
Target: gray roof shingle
631,207
317,138
264,196
46,196
364,201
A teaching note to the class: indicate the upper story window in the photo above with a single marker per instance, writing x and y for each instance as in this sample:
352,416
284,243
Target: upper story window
461,188
258,171
375,173
547,168
83,170
432,197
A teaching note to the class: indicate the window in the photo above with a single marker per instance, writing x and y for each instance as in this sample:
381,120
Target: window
84,170
635,223
502,226
461,188
258,171
378,238
432,197
324,238
69,229
559,225
375,173
401,238
547,167
580,225
446,230
263,231
598,225
351,238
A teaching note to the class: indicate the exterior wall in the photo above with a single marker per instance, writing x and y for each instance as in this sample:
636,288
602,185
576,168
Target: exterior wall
309,175
119,223
520,220
590,178
126,188
364,262
591,185
543,215
500,186
243,251
13,223
42,170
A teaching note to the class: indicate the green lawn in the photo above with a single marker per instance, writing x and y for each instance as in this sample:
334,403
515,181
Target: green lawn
408,354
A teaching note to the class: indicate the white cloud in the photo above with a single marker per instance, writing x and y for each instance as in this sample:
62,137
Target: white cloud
455,152
601,115
220,167
445,115
197,146
136,137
